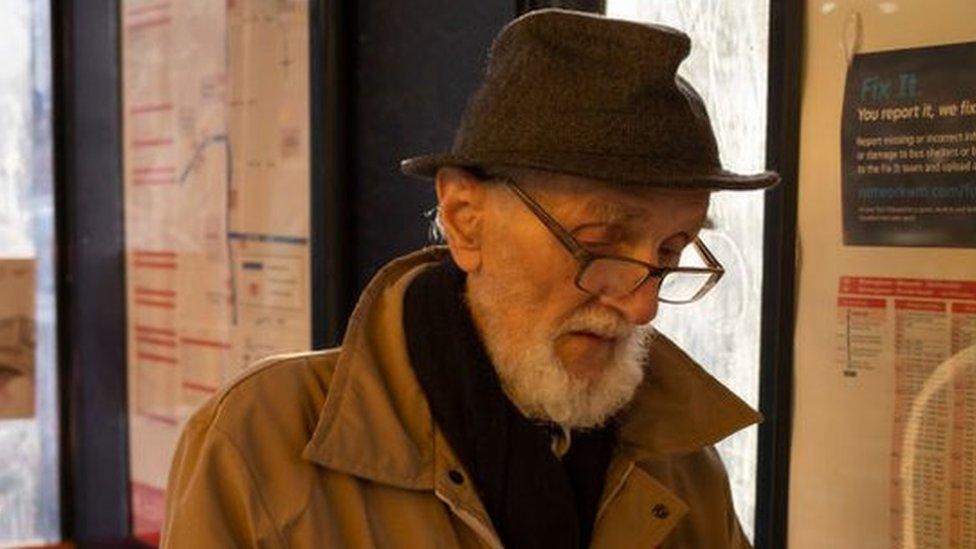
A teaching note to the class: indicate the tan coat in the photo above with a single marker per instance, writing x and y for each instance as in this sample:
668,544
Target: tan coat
338,449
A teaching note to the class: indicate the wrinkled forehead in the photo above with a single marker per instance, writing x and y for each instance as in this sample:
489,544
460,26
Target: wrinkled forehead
608,202
621,208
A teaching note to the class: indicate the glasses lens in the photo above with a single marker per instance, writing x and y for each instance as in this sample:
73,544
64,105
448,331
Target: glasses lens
612,277
690,257
678,287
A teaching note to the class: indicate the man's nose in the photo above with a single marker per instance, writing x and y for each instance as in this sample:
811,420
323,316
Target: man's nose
638,307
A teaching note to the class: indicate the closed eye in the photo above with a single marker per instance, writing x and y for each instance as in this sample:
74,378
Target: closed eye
597,236
598,245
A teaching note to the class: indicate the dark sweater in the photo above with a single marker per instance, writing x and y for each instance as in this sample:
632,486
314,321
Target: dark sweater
533,498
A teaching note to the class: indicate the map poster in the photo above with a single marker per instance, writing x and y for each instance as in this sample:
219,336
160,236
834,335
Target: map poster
17,338
908,148
216,158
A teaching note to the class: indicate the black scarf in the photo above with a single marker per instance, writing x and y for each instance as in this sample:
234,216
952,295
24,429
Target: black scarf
533,498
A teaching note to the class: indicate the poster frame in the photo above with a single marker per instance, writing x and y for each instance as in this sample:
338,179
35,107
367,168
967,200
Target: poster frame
92,393
333,91
786,24
93,399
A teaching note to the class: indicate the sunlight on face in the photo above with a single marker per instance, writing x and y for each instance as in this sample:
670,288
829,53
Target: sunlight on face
564,355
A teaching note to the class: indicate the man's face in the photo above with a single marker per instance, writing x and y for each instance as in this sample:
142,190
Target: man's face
560,351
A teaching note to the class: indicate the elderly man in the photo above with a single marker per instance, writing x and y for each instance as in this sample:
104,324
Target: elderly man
506,390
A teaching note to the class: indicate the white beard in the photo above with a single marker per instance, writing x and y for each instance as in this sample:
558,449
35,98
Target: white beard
540,386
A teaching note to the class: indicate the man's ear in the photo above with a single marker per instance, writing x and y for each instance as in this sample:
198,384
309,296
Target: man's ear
460,203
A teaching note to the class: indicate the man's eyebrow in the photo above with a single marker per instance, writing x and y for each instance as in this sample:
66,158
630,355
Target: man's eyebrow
613,213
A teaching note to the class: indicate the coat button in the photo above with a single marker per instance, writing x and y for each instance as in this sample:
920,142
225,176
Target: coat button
455,476
661,511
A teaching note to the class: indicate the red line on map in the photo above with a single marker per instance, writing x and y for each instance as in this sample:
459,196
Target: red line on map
150,107
154,330
139,10
153,142
152,357
156,341
155,292
157,22
157,417
199,387
153,265
205,342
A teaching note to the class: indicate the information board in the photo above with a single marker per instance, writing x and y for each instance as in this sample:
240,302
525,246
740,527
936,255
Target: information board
216,159
909,147
884,424
924,333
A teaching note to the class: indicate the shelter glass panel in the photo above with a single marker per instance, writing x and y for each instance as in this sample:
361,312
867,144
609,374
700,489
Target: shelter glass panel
728,66
29,497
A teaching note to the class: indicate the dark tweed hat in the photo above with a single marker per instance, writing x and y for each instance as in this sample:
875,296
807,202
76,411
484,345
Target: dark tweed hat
585,95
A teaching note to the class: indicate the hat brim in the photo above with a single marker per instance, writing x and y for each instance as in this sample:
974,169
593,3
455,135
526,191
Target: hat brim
627,171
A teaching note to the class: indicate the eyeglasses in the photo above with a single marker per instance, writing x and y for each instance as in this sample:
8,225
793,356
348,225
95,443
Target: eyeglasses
618,276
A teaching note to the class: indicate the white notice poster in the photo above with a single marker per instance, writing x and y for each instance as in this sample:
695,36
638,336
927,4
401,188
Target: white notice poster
920,337
216,151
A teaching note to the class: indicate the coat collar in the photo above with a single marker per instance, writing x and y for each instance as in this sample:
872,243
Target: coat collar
679,407
376,423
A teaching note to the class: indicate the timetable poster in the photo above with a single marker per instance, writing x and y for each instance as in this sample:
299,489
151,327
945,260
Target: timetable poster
908,148
920,334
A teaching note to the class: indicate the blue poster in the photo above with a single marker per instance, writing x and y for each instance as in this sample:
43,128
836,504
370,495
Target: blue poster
908,148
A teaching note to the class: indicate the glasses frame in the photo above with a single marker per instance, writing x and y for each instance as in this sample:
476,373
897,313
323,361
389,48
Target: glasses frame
585,257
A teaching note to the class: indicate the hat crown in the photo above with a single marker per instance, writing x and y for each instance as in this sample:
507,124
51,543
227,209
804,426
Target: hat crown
562,49
582,94
568,82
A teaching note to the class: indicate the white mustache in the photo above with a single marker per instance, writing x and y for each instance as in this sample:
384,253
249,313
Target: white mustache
599,321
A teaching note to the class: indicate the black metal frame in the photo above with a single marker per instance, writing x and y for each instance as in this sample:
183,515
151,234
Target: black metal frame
332,55
779,273
91,275
89,201
90,264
